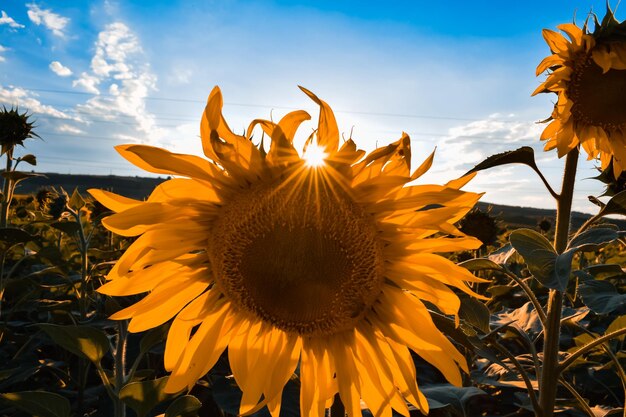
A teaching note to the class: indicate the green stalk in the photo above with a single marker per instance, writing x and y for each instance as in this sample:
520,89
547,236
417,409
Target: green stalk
6,191
552,330
120,367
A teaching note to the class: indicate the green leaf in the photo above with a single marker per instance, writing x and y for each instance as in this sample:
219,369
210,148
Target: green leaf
184,406
616,205
76,201
85,341
457,397
589,240
617,324
12,236
540,257
613,269
29,159
601,296
524,155
145,395
480,264
475,313
39,403
66,227
593,239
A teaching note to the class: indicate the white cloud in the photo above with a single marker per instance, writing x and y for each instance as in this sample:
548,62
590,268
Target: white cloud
52,21
6,20
26,99
475,141
118,66
65,128
3,49
87,82
59,69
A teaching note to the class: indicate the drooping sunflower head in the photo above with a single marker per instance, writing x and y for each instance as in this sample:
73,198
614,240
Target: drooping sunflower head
588,73
321,259
15,128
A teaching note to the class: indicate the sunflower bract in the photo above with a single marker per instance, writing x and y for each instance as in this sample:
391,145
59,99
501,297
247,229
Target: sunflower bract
286,262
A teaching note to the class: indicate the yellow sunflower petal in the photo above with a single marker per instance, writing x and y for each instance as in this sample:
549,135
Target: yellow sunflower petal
555,40
327,131
160,161
113,201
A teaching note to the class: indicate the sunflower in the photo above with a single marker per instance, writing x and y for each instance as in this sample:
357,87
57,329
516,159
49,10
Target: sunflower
322,259
588,73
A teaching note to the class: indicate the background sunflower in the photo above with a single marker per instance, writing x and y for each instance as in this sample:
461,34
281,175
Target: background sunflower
588,73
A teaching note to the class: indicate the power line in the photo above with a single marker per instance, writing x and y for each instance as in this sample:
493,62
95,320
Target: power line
182,100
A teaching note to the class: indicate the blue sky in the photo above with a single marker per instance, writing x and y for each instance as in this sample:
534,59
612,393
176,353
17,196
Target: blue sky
455,75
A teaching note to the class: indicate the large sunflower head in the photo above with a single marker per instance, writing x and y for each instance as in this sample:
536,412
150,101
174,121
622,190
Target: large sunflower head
322,258
588,73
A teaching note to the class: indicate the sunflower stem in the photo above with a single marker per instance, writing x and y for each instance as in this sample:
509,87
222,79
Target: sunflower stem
337,409
120,367
6,190
552,329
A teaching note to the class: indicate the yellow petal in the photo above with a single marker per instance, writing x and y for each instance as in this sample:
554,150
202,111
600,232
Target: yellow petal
327,131
160,161
113,201
555,41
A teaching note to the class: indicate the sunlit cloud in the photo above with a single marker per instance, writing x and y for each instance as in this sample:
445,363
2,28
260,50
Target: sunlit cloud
46,17
3,49
7,20
65,128
118,67
17,96
59,69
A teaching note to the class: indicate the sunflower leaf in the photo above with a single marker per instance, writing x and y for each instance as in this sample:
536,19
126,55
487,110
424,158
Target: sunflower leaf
39,403
601,296
145,395
83,341
593,239
457,397
184,406
66,227
480,264
540,257
76,201
29,159
475,313
590,240
524,155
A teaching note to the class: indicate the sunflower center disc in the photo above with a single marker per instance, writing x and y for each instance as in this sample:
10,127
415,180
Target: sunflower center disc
599,99
305,264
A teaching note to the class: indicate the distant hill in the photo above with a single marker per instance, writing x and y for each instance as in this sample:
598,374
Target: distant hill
133,187
140,187
514,216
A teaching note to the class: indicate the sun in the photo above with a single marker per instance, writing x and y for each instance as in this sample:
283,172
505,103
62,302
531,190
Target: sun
588,73
314,156
318,265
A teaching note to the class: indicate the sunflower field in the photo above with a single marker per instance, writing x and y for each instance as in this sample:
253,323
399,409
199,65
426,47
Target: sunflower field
265,280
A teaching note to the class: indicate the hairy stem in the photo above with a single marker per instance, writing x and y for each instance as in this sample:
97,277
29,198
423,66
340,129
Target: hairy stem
120,367
6,191
552,329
